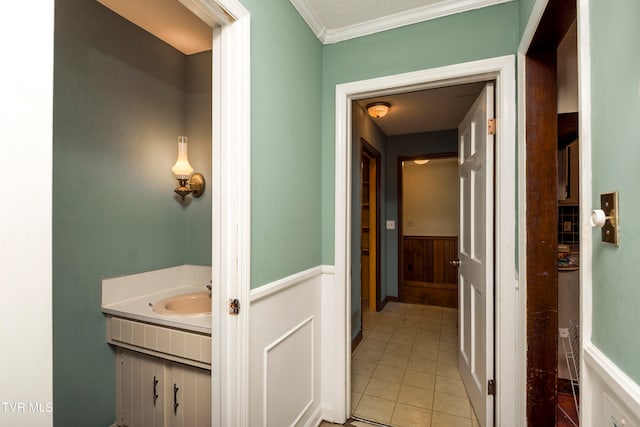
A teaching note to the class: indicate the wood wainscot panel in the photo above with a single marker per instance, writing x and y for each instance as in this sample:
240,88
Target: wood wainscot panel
428,277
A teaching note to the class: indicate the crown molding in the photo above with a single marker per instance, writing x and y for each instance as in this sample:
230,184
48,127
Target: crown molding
396,20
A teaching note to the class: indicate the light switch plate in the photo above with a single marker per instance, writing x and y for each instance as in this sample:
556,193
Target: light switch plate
611,228
391,224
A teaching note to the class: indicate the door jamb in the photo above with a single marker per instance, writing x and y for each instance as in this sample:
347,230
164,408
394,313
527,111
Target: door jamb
231,196
375,154
501,69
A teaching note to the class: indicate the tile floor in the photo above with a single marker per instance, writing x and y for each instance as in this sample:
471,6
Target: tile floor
404,372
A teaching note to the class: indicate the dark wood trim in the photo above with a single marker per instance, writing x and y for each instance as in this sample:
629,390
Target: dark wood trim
556,20
375,154
356,341
541,196
399,202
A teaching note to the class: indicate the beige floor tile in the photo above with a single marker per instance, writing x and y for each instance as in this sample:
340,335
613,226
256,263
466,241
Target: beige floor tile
419,364
371,344
408,416
447,370
419,379
394,360
394,307
359,383
450,386
383,389
375,409
424,350
369,356
362,367
380,334
426,335
415,396
361,424
355,399
452,405
389,373
448,335
402,338
451,347
429,325
445,356
399,349
439,419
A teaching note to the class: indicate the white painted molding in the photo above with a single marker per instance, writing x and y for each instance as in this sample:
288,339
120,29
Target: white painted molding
400,19
310,17
502,69
285,283
265,370
231,196
626,390
532,25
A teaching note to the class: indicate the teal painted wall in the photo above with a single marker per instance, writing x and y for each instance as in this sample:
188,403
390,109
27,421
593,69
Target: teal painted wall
119,104
526,6
478,34
615,85
198,129
285,142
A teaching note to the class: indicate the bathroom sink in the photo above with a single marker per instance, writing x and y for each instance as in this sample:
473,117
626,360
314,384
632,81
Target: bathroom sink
192,304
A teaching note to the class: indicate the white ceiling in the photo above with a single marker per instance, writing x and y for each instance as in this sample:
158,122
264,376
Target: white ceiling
337,20
426,110
168,20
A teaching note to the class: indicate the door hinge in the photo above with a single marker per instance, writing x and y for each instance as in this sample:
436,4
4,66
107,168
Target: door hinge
491,127
234,306
491,388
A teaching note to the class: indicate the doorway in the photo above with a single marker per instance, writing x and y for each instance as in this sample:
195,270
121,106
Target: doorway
549,303
428,194
502,70
406,354
369,227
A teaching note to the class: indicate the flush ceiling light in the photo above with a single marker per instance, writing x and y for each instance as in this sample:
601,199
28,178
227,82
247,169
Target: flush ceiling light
421,162
189,182
378,109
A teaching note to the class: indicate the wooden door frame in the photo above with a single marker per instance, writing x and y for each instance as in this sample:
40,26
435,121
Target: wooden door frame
371,152
401,213
540,146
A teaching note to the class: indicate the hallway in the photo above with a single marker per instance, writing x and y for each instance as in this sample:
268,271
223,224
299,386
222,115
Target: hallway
404,372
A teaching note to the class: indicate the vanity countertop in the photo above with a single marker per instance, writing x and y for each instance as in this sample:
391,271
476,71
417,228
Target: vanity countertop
132,297
140,308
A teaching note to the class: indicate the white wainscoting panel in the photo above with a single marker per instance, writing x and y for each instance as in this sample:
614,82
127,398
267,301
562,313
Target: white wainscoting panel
612,398
286,357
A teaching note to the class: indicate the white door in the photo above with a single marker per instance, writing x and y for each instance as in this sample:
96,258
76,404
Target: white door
475,273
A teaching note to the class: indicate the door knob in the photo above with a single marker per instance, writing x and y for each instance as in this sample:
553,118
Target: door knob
455,262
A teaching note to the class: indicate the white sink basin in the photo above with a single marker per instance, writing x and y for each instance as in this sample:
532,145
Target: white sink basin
193,304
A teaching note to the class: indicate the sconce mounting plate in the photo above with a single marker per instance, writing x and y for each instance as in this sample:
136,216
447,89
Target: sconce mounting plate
197,184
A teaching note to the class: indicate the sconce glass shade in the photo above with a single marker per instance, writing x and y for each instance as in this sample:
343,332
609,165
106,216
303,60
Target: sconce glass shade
378,109
182,169
421,162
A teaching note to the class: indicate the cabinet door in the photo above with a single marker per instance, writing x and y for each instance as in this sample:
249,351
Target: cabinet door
142,390
190,403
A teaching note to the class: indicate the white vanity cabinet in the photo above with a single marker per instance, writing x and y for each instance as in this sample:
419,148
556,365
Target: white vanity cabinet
155,392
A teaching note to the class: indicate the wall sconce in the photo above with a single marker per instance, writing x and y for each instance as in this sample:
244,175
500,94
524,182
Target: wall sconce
189,182
421,161
378,109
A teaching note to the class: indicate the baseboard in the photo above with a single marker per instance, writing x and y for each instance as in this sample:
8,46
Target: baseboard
355,341
388,299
